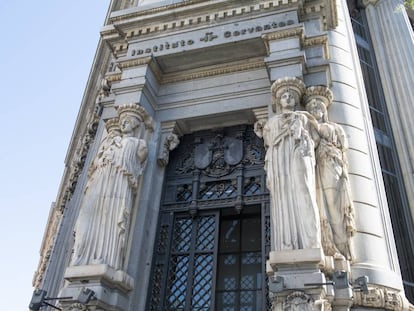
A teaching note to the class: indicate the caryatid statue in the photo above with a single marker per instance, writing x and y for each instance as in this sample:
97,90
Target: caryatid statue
290,169
332,185
102,227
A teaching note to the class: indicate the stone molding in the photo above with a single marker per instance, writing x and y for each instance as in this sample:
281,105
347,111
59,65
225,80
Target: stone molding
213,71
47,244
297,31
134,62
114,77
78,162
193,74
321,40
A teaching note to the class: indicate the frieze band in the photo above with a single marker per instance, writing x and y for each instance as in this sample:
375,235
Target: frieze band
210,36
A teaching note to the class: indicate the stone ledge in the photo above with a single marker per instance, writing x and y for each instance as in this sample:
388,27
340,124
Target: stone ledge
296,258
103,273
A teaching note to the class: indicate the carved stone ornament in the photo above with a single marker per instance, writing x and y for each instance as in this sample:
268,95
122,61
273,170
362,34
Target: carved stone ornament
77,307
299,301
170,142
379,297
219,155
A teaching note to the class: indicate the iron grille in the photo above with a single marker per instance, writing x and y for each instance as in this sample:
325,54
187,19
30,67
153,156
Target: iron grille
189,252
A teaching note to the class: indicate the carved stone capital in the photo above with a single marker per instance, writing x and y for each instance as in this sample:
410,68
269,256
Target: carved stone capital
169,141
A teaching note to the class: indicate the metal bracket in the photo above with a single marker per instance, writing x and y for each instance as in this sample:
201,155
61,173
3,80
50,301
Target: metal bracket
361,283
341,279
276,284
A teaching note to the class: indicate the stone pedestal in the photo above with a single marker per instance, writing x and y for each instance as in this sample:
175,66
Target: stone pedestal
296,280
110,287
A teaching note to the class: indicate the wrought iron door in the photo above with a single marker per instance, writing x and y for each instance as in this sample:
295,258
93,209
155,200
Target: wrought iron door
213,237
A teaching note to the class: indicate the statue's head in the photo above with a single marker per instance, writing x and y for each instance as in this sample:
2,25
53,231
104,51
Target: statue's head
287,93
112,126
317,99
130,117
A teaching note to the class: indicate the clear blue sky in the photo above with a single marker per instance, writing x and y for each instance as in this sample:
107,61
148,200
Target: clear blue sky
47,49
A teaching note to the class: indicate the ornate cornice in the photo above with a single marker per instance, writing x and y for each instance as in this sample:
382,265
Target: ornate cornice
327,9
140,12
192,21
134,62
133,25
114,77
297,31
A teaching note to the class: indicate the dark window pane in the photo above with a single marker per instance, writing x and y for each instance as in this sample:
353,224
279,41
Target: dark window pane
230,235
227,301
251,271
228,272
385,156
251,234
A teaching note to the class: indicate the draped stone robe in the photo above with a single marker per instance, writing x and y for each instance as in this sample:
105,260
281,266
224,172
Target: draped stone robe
103,222
289,165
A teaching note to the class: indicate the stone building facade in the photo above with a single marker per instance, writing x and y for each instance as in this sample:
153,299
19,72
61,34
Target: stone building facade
171,196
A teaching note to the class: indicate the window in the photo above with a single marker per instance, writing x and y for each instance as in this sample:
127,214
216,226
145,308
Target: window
213,236
240,275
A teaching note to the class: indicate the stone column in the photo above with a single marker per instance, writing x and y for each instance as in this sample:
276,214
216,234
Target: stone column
375,252
393,42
